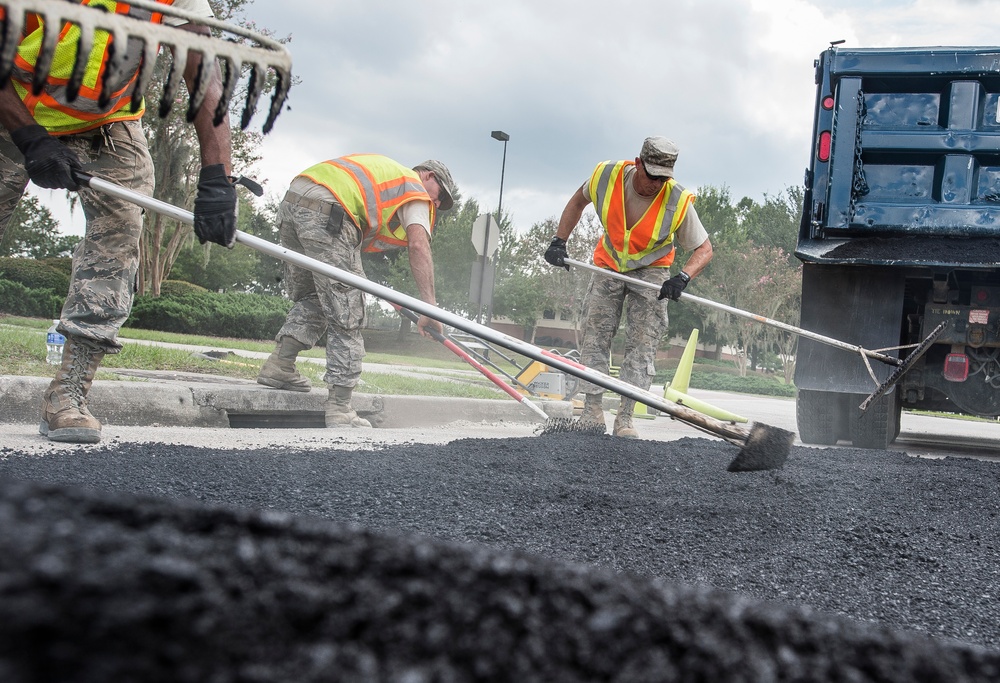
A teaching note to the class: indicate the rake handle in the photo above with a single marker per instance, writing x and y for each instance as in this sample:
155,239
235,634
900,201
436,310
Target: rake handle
889,360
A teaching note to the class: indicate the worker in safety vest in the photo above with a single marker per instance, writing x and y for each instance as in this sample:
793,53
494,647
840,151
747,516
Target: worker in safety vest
646,216
47,138
332,212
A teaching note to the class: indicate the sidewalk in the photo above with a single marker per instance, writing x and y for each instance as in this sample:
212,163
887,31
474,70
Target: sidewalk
178,399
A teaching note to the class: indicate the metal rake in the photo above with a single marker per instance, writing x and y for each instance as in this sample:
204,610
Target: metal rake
236,47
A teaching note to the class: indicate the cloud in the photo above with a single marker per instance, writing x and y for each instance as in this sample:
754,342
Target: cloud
575,83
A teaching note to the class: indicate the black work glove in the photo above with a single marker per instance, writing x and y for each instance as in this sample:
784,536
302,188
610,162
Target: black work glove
672,288
49,163
215,207
556,254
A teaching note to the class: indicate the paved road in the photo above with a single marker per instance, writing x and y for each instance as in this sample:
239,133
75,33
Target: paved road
920,435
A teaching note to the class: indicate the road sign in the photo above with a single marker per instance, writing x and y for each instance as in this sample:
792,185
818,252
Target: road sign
481,286
485,235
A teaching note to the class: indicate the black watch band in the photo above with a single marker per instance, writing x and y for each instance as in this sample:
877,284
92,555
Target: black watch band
684,276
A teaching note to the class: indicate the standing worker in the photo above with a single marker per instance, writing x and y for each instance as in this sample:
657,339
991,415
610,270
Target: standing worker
646,214
48,139
332,212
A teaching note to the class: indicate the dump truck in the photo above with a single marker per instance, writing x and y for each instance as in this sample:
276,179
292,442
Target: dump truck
900,233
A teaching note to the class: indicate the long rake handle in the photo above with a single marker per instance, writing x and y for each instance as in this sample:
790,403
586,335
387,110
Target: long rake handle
728,432
890,360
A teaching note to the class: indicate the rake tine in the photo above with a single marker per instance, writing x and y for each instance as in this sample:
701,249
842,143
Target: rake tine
84,44
114,68
174,76
13,24
150,49
253,94
50,37
278,99
202,79
230,74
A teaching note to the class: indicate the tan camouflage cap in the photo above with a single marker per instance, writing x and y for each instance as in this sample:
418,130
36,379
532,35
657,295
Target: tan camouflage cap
443,176
659,155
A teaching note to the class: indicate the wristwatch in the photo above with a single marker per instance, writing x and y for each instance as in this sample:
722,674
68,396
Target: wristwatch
684,276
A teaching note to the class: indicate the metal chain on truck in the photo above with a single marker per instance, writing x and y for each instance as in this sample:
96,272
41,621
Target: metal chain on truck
859,185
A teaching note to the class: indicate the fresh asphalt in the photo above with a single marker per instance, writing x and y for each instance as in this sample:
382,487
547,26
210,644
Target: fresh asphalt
191,409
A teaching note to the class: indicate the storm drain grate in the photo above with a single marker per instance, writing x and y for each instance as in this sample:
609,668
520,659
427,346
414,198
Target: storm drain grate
307,419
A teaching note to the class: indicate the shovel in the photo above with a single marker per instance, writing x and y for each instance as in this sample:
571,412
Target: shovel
450,344
901,365
762,447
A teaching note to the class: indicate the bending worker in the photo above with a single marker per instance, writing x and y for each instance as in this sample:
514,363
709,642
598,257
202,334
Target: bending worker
47,139
332,212
646,215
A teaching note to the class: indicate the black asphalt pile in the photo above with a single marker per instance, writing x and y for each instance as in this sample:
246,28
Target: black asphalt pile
560,557
110,588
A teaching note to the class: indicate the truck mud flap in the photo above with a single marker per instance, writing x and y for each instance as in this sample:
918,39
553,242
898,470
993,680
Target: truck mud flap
859,305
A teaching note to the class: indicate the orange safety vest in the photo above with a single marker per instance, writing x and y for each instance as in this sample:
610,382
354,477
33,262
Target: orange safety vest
51,108
372,188
648,243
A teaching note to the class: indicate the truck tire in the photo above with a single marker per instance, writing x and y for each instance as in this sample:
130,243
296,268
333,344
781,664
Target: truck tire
817,415
875,428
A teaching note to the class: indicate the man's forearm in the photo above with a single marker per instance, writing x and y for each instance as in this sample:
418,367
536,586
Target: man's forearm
13,113
422,263
699,259
571,215
215,142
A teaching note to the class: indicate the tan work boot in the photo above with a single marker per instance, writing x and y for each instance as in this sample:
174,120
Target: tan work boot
65,416
593,410
339,412
279,370
623,421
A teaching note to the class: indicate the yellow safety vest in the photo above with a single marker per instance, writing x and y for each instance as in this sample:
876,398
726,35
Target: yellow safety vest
648,243
372,188
51,108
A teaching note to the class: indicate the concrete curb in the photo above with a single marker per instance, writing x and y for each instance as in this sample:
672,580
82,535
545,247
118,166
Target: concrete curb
180,400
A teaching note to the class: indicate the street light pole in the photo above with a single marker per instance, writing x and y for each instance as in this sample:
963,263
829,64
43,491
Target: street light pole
502,137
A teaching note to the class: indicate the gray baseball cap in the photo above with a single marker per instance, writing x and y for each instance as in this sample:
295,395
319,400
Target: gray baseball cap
659,155
443,176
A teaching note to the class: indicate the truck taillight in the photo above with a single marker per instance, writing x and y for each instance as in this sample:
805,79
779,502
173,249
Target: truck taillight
825,139
828,102
956,367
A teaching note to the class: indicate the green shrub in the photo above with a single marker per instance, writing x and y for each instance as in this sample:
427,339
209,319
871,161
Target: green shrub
34,274
16,299
179,288
751,384
64,264
248,316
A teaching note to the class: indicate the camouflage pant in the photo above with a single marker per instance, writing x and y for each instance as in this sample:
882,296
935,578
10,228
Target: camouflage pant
645,320
323,304
106,261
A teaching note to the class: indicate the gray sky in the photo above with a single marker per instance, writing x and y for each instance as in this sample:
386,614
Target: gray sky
573,84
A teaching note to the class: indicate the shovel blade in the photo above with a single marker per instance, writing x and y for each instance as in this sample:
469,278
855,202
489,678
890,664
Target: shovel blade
766,448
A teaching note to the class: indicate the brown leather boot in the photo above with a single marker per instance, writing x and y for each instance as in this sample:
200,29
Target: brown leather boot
339,412
593,410
279,370
623,420
65,416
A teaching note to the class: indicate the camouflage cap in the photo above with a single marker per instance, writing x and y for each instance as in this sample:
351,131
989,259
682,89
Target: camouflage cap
443,176
659,155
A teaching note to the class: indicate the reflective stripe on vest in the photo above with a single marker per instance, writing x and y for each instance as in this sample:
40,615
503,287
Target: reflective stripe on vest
51,108
648,243
372,188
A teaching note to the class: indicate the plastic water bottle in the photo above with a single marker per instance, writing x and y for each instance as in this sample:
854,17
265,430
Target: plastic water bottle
54,345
